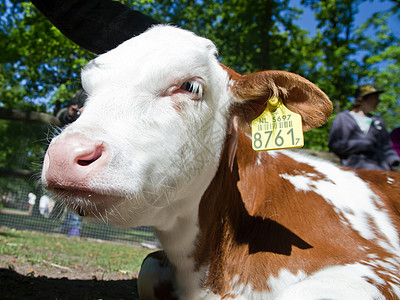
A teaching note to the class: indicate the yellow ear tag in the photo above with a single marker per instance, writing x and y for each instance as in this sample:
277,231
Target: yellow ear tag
277,128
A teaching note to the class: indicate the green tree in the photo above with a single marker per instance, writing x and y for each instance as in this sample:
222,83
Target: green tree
382,64
336,66
39,67
250,35
37,62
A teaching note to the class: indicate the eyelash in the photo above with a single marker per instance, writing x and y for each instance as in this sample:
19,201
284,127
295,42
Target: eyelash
193,87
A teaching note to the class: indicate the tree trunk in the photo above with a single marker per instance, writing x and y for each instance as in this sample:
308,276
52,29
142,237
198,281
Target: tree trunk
28,116
25,174
265,59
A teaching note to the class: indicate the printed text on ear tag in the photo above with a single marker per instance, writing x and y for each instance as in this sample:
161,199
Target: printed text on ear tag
277,128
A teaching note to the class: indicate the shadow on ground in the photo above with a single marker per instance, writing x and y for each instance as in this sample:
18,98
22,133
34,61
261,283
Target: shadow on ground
16,286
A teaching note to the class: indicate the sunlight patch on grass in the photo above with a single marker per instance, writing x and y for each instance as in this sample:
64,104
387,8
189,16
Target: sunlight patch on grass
38,248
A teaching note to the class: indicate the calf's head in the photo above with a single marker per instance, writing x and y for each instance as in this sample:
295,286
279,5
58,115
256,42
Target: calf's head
150,137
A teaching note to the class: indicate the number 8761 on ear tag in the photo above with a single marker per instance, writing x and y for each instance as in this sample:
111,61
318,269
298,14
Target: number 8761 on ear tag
277,128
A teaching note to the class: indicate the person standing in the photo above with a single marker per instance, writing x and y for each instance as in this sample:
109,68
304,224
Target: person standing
71,113
359,138
31,203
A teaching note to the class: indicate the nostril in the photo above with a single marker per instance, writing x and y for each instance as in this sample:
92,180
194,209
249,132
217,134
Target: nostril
89,158
84,162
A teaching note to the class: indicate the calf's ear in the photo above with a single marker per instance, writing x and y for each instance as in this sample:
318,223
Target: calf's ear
297,93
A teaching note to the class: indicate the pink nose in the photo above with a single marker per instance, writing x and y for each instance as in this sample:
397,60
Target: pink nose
71,162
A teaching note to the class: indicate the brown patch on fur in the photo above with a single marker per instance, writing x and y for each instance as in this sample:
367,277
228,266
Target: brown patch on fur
386,185
390,196
253,223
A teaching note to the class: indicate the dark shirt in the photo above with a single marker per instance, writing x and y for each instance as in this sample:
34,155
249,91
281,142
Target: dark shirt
96,25
64,116
360,150
78,99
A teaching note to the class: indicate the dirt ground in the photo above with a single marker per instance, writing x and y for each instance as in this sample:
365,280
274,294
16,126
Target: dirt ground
50,281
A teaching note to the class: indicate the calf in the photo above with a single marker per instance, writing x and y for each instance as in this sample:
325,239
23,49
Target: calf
164,142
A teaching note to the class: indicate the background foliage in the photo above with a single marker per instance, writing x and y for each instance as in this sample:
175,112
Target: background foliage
39,67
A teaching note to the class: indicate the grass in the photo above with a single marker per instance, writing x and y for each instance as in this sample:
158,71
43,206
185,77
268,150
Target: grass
36,248
95,230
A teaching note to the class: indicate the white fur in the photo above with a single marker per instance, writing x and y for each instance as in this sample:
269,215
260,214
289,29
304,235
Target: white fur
160,156
338,282
350,197
164,146
275,285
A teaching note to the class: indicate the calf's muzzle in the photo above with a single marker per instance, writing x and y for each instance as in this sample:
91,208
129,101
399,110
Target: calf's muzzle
72,161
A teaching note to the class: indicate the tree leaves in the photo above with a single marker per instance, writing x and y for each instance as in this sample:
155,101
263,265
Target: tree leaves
36,58
40,68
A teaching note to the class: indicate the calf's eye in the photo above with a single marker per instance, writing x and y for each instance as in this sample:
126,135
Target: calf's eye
194,88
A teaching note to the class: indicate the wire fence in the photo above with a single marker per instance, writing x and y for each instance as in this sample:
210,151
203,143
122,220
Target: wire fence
23,203
24,206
